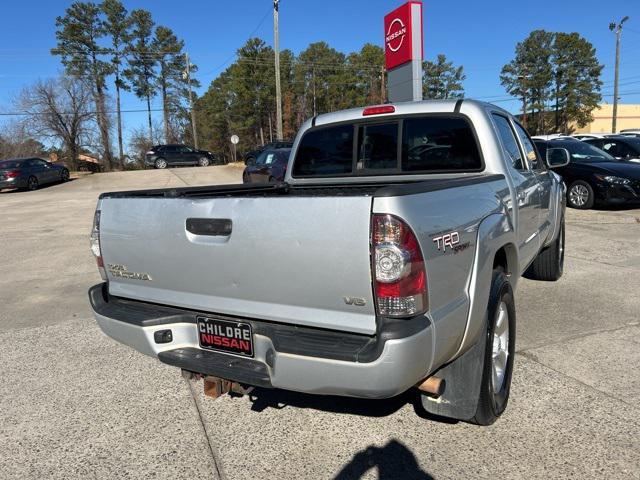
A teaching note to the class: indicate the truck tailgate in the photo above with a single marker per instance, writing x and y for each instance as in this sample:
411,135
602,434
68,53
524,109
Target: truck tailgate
287,259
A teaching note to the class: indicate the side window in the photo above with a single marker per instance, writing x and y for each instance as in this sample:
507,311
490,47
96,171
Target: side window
509,141
261,160
623,150
38,163
535,163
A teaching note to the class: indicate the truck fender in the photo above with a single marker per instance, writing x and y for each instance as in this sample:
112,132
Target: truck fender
495,233
463,376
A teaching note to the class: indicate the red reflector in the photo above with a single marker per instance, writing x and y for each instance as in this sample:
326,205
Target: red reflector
12,174
377,110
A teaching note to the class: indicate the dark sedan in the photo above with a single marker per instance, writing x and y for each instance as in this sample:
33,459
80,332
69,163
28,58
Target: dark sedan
595,177
163,156
30,173
270,166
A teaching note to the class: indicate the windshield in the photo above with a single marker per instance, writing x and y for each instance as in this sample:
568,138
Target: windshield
582,152
10,164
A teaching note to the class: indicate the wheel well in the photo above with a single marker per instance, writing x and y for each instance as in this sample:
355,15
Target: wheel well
506,258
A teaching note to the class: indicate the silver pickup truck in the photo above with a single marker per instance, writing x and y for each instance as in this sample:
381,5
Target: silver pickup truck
387,260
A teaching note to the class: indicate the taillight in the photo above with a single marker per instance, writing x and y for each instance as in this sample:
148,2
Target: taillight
400,279
12,174
94,241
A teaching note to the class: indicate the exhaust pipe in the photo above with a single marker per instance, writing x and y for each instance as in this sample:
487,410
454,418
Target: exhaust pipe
215,387
433,386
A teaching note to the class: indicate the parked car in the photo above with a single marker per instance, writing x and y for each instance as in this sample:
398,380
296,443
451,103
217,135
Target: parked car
632,132
253,154
593,177
589,136
619,147
270,166
30,173
163,156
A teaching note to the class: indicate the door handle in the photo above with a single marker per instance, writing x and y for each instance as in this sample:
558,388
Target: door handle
213,227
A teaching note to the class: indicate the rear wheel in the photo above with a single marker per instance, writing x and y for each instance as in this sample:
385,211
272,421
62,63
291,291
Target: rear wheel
203,162
64,175
549,264
161,163
499,351
32,183
580,195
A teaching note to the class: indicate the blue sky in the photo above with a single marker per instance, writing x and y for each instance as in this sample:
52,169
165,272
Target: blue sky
481,36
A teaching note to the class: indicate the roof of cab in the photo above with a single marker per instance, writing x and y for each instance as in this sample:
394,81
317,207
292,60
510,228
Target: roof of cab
404,108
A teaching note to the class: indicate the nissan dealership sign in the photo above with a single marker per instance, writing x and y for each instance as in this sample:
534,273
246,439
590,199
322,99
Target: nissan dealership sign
404,52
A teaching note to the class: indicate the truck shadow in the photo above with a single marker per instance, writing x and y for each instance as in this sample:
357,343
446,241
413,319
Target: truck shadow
262,399
393,461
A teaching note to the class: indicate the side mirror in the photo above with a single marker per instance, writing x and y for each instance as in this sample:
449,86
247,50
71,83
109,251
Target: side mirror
558,157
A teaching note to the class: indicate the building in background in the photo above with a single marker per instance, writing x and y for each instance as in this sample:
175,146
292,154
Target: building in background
628,117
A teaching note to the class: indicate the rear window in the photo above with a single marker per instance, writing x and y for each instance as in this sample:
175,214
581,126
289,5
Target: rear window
11,164
429,144
325,152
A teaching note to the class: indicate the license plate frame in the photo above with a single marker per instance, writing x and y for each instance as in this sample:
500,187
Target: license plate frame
225,336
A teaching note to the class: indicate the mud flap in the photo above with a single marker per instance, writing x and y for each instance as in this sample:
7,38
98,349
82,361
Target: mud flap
463,378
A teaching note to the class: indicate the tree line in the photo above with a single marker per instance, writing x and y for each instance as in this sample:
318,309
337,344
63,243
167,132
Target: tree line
557,78
319,79
105,49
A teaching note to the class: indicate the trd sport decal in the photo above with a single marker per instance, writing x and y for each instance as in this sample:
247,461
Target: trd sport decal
452,241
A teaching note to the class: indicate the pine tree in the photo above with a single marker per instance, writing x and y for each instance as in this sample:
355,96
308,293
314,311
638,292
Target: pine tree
142,60
442,80
172,80
78,35
117,25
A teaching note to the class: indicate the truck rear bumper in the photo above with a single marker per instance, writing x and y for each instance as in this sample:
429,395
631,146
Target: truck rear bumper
287,357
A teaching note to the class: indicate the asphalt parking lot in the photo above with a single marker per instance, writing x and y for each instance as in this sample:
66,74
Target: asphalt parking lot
75,404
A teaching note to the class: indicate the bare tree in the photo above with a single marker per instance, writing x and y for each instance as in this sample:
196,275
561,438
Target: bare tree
15,142
58,111
140,144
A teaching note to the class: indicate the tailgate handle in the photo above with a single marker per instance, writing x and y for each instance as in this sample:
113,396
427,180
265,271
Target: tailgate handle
213,227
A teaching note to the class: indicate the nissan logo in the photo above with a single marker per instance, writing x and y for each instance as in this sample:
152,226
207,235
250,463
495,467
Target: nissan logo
394,40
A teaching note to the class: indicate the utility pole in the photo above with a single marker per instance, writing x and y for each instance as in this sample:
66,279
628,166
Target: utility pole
187,74
276,45
617,29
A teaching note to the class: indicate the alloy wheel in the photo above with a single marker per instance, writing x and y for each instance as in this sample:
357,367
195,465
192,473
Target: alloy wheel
32,183
578,195
500,351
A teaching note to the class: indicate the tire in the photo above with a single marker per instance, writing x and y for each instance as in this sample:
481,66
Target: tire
548,266
160,163
497,368
203,162
580,195
245,178
64,175
32,183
